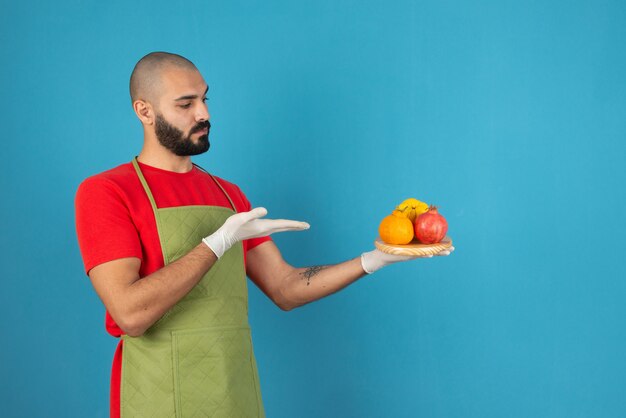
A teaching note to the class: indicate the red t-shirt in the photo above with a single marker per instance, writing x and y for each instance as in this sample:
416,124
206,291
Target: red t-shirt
114,219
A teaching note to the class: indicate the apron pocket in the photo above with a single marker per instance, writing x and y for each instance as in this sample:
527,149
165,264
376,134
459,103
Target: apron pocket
213,373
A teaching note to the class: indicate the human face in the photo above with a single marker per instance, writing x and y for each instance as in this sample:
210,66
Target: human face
182,118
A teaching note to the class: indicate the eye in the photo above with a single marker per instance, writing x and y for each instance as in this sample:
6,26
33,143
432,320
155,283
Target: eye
205,99
186,105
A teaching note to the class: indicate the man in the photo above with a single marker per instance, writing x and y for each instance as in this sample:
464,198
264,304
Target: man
167,247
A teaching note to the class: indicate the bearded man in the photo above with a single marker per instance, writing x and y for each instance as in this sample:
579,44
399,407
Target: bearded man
167,247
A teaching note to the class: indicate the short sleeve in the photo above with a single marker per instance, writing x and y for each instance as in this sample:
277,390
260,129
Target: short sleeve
104,226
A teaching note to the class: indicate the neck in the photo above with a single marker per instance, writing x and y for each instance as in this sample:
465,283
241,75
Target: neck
164,159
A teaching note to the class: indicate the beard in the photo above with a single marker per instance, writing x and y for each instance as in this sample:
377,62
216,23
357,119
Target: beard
175,140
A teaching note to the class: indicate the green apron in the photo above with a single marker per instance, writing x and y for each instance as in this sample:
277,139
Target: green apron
197,360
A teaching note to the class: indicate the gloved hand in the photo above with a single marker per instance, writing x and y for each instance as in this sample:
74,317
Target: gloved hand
375,260
245,225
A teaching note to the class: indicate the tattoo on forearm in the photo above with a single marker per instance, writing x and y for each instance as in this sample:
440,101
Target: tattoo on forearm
310,272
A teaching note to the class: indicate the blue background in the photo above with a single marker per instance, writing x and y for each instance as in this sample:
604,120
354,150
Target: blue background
511,116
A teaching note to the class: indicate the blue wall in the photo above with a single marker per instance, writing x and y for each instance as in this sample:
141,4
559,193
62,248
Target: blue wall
511,116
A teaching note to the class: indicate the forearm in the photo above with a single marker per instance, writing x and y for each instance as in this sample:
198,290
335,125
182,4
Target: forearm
150,297
304,285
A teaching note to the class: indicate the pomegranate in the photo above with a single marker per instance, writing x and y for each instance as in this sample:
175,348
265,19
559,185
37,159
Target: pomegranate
430,227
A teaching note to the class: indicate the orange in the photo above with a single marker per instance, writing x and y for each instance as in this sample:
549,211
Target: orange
396,229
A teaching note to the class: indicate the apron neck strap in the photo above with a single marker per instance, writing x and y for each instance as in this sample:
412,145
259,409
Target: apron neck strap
144,183
218,185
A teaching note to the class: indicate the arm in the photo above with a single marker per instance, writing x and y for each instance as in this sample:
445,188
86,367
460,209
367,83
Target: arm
291,287
136,303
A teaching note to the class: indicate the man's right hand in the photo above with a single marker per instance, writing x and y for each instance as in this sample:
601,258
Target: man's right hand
246,225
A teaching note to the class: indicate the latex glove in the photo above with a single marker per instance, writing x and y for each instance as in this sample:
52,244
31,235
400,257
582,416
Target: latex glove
245,225
375,260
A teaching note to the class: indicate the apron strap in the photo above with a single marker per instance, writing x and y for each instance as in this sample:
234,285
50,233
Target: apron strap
144,183
218,185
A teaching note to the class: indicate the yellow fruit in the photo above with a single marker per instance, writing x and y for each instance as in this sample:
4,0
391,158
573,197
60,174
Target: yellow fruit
396,229
412,208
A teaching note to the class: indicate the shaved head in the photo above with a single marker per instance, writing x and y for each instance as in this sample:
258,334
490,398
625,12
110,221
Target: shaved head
145,81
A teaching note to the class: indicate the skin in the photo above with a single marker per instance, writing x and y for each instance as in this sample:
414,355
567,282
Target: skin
135,303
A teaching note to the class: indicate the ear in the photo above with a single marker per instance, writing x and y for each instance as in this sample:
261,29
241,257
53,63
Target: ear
144,111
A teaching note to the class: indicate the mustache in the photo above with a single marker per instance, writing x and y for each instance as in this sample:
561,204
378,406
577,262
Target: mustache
201,126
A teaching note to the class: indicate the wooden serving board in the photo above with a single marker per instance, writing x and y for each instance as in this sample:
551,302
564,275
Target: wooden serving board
414,248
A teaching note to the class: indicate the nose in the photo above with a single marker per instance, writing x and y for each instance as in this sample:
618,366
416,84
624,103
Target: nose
202,114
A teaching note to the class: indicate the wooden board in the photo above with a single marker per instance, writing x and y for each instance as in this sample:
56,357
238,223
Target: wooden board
414,248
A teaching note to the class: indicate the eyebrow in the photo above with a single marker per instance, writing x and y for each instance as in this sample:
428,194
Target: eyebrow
191,96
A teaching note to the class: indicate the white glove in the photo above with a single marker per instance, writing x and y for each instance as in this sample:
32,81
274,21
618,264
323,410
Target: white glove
375,260
245,225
